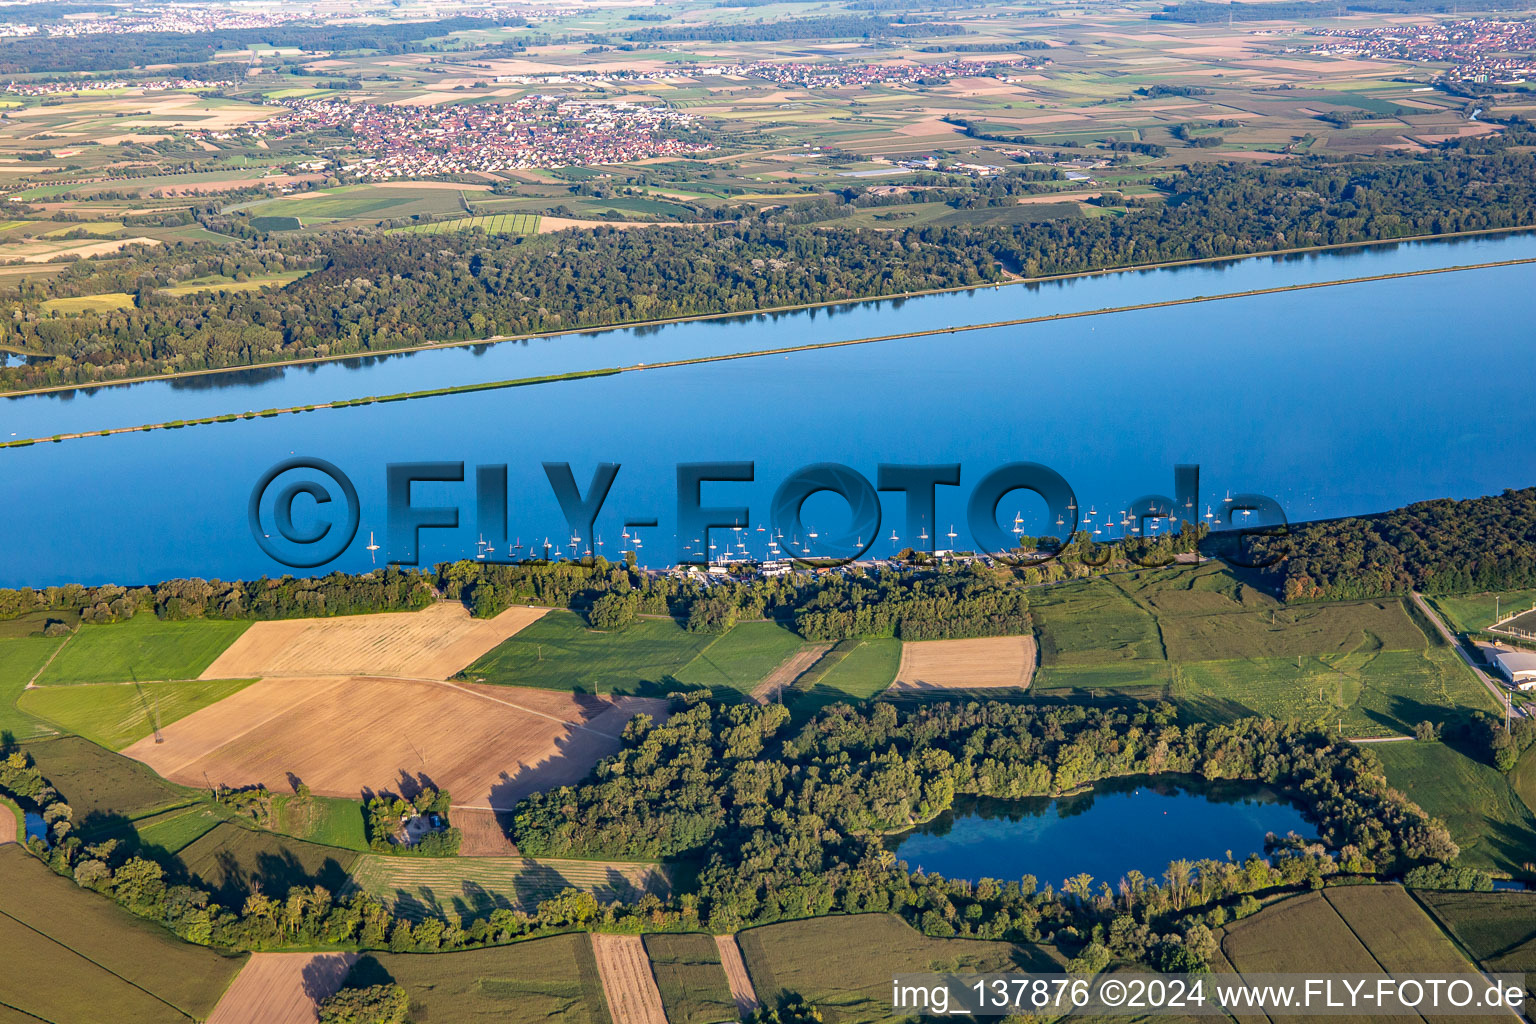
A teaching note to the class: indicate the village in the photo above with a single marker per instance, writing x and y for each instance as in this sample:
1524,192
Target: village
1481,50
533,132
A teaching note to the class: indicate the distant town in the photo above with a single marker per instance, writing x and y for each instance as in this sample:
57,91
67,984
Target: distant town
1481,50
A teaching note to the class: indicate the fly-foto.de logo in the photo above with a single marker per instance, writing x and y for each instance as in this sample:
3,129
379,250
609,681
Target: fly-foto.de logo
305,512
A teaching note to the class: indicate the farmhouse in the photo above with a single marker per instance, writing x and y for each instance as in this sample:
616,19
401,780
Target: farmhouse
1518,667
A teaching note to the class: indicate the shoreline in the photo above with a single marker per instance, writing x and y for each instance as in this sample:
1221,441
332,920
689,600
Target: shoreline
496,385
1011,280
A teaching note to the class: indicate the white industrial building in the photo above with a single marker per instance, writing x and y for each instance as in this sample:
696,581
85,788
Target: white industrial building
1517,667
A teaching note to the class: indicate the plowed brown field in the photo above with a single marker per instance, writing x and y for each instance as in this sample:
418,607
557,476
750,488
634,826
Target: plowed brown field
433,643
736,974
633,997
994,662
489,746
282,988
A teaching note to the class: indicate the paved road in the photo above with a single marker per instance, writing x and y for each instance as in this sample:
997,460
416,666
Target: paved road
1498,691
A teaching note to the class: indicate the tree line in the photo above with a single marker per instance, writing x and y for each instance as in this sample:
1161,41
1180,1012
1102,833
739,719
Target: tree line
1443,546
375,292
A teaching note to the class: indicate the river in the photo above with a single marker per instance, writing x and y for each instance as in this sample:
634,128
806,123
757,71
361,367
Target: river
1336,400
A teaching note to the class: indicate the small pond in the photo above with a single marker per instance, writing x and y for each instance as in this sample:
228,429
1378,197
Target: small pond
1139,823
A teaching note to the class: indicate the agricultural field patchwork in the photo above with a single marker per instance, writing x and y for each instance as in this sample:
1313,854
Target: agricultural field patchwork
90,960
1222,649
116,714
433,643
488,746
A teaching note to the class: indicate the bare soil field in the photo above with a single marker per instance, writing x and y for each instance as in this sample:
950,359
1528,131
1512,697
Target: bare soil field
790,669
483,834
627,979
7,825
343,736
282,988
994,662
433,643
736,974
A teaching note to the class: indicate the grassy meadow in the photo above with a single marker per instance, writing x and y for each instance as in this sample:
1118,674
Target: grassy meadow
21,658
104,789
1494,828
143,648
1221,649
419,887
741,658
116,715
535,982
233,860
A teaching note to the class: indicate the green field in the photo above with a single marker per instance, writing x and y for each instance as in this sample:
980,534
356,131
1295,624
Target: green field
327,820
1495,830
742,658
853,670
20,659
116,715
559,652
1358,930
1221,649
1497,928
491,224
1471,613
71,955
103,303
164,835
844,965
141,649
693,986
233,861
467,887
535,982
105,789
276,223
1523,778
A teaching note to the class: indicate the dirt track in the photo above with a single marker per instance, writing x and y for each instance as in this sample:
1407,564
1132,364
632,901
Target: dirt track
997,662
790,669
736,974
282,988
433,643
628,981
489,746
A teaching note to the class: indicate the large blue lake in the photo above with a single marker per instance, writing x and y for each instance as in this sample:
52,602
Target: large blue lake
1141,824
1334,400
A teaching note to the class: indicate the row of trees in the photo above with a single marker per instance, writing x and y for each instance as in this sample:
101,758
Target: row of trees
1439,547
388,589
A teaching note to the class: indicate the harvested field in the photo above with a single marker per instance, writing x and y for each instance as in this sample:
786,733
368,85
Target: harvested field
8,825
736,974
483,834
627,980
1395,929
433,643
419,887
790,669
488,746
282,988
987,663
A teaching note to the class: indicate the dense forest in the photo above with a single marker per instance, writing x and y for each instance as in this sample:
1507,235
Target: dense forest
119,51
383,291
1438,547
793,826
